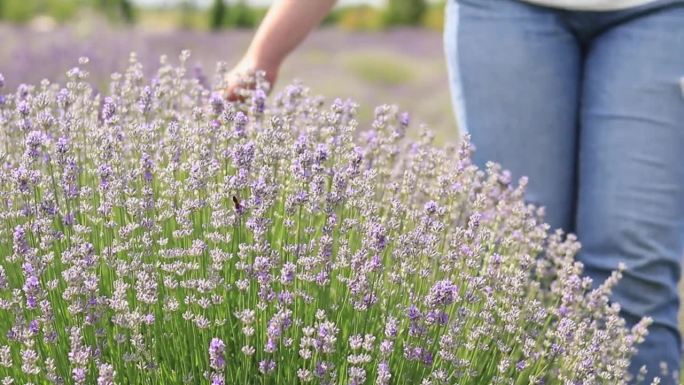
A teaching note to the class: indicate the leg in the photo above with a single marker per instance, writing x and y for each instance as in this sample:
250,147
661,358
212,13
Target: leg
631,173
515,78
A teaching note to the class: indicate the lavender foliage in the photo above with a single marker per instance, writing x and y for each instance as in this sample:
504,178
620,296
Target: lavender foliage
159,234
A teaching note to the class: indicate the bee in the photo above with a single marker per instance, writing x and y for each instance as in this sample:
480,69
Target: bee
237,204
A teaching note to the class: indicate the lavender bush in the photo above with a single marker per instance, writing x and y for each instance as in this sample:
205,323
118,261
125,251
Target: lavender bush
160,235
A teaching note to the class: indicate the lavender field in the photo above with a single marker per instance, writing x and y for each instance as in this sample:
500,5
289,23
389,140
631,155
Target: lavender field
154,232
371,68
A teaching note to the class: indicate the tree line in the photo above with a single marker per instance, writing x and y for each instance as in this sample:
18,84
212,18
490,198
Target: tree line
221,14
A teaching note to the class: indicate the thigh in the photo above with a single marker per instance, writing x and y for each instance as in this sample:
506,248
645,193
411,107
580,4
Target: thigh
514,71
631,176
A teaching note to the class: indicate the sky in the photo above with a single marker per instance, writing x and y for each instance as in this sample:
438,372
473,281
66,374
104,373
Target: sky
252,2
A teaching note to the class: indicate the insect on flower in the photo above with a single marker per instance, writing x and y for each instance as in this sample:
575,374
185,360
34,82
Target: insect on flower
237,205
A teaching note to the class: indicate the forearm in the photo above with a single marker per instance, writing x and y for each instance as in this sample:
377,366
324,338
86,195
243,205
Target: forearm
285,26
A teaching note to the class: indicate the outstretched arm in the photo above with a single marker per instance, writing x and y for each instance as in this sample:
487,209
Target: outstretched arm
286,25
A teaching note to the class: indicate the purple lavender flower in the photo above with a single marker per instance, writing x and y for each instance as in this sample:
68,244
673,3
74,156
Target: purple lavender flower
321,369
3,278
63,98
442,293
521,365
412,353
413,313
378,234
144,103
20,243
267,366
437,317
79,375
69,219
217,103
34,141
105,171
217,379
62,145
431,207
259,101
106,375
243,155
384,374
240,124
287,273
427,357
404,119
216,354
34,327
108,110
147,166
70,178
23,91
271,345
322,153
23,108
149,319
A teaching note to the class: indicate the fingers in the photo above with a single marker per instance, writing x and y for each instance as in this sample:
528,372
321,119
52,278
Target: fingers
242,80
238,82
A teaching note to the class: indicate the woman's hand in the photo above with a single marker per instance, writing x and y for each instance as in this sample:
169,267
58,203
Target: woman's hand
242,76
285,25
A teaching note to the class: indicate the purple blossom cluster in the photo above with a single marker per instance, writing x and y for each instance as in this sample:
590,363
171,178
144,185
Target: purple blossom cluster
160,234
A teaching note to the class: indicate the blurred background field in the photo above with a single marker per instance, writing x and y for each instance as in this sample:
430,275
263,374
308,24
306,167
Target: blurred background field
373,52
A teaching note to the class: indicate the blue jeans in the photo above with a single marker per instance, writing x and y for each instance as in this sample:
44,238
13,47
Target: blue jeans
588,105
